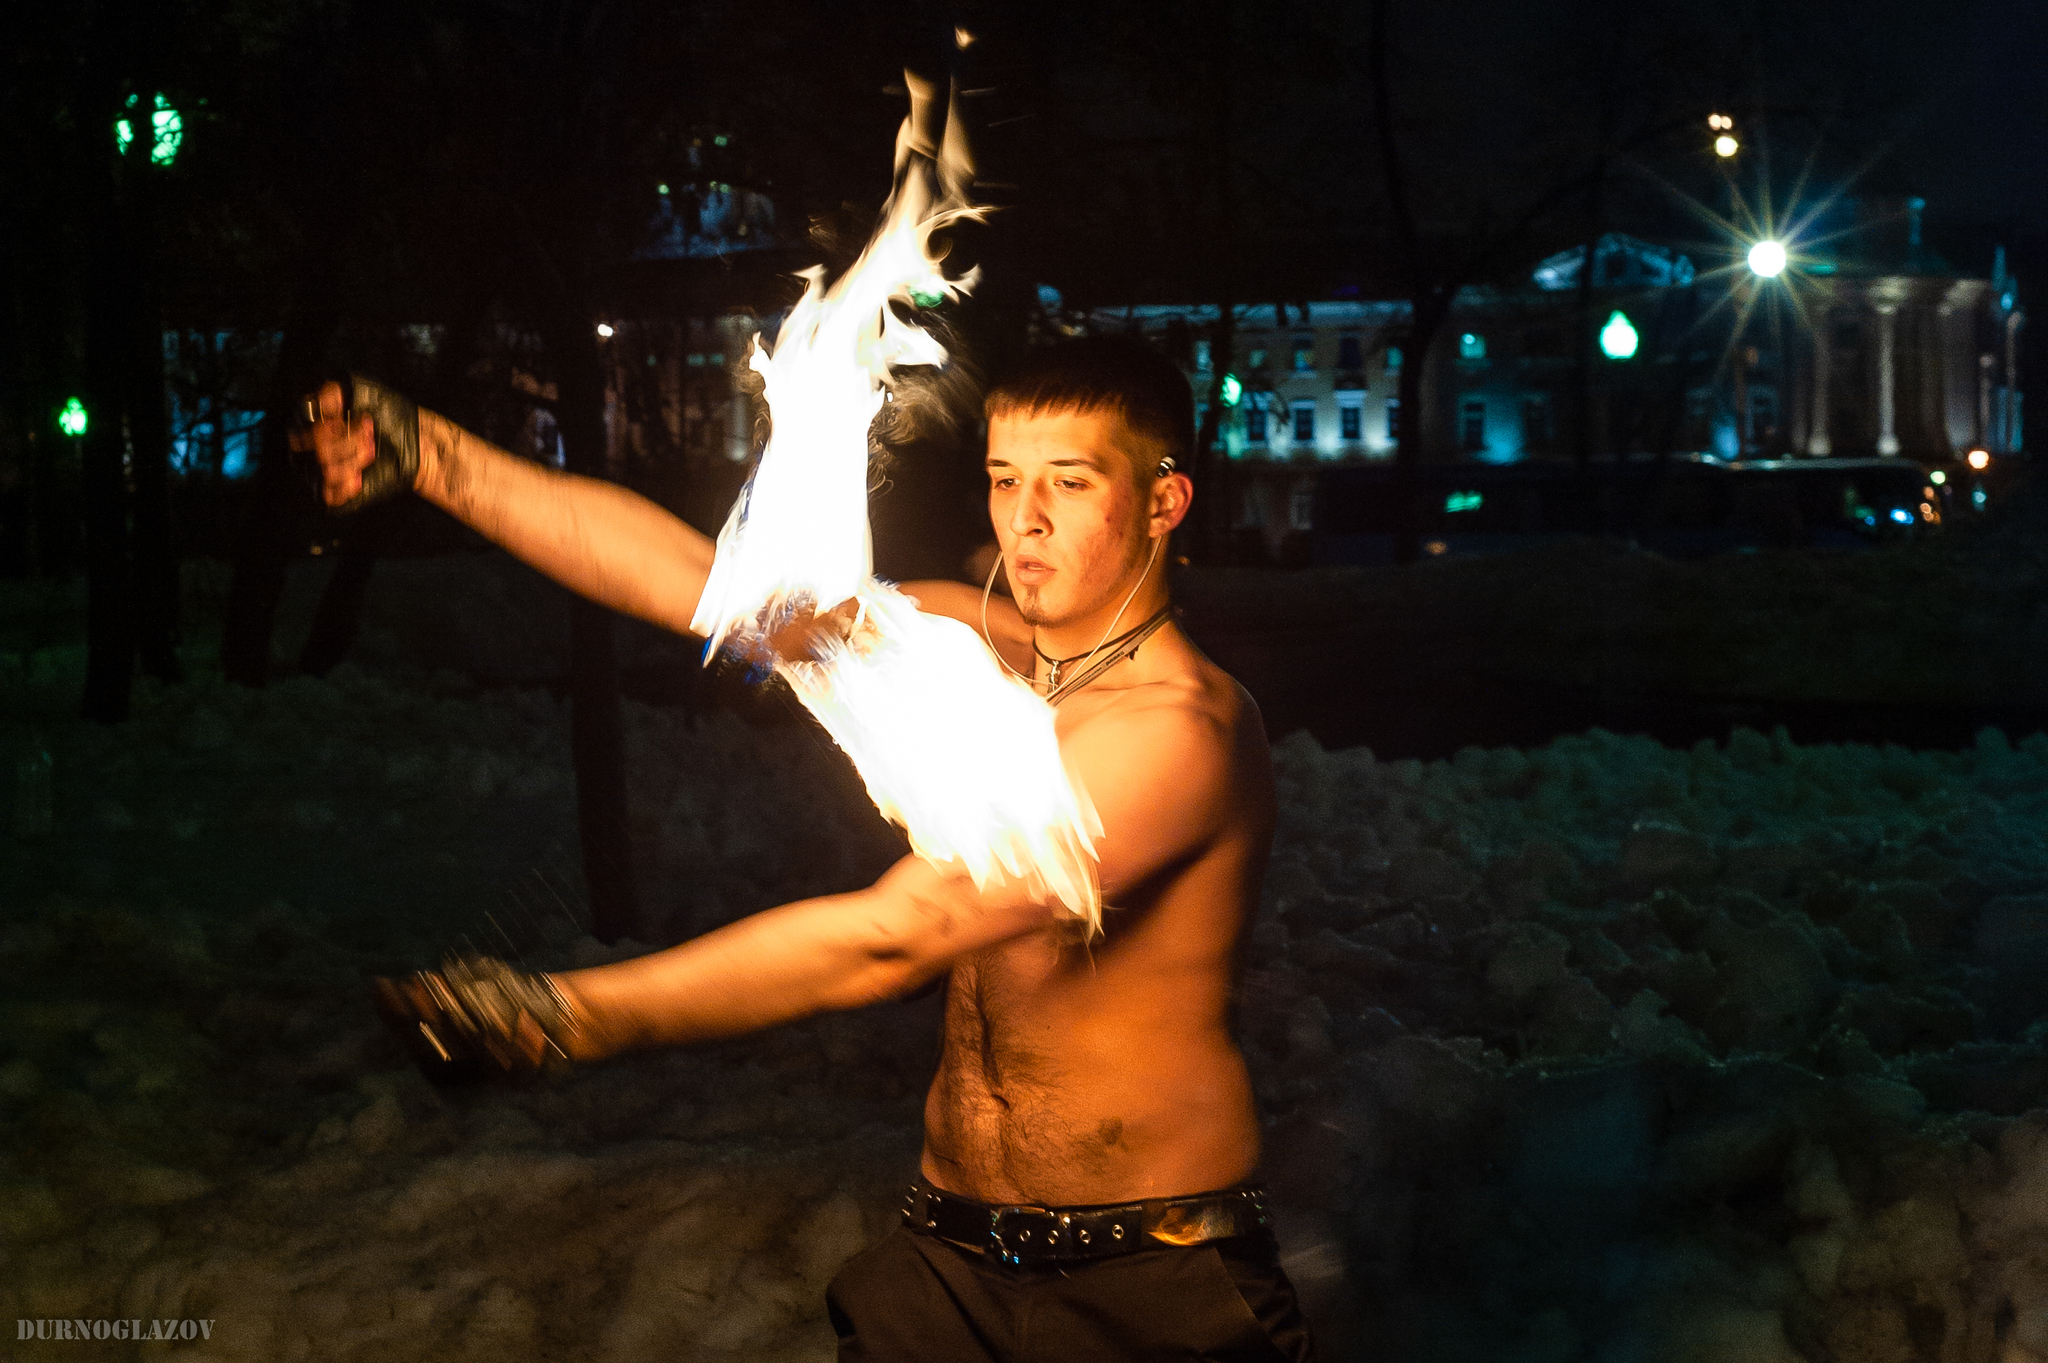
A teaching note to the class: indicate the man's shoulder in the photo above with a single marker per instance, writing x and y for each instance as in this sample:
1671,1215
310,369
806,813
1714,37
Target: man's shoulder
1192,708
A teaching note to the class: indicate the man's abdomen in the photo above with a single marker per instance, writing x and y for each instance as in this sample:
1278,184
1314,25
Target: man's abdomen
1037,1100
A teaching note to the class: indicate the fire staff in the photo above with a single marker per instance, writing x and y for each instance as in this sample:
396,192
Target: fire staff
1085,1189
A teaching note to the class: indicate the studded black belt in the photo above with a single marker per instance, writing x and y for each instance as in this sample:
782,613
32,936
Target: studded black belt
1030,1234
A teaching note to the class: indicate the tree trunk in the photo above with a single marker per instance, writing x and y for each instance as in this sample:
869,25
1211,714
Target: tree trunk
340,612
109,627
1426,314
155,564
276,498
597,726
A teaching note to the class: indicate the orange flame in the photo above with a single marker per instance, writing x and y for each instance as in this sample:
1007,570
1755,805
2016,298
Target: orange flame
961,755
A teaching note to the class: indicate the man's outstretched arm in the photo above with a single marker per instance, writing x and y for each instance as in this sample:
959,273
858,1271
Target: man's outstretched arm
595,538
1159,784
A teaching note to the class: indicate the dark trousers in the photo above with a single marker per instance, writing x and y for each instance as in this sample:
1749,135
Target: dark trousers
915,1297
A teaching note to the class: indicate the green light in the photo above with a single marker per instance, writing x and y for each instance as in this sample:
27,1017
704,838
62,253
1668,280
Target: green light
169,126
71,420
926,300
1233,391
1618,339
124,133
1937,477
661,190
720,140
1463,501
1471,346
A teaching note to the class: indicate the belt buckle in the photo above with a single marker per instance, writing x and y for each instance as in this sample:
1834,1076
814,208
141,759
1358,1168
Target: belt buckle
1019,1230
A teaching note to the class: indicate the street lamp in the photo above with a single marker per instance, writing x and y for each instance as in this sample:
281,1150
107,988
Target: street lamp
1725,144
1767,259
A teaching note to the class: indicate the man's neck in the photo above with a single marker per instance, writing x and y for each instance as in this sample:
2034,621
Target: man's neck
1073,640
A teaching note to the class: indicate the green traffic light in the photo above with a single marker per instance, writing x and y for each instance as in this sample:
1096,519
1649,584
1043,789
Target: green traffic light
1233,391
71,420
169,126
1618,339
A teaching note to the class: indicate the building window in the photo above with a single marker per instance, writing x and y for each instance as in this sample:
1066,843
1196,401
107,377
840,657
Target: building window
1393,421
1350,354
1201,415
1537,431
1393,359
1472,423
1304,421
1471,346
1351,420
1257,360
1304,354
1255,509
1202,356
1255,421
1301,505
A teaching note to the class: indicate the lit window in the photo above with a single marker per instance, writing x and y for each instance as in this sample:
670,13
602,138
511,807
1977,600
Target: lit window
1202,356
1255,424
1472,423
696,360
1471,346
1304,354
1350,354
1304,421
1258,359
1393,359
1350,420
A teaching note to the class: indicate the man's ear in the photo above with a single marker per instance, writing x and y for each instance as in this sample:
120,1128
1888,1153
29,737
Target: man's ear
1171,497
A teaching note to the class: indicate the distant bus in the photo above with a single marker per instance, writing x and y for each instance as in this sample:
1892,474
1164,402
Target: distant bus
1686,507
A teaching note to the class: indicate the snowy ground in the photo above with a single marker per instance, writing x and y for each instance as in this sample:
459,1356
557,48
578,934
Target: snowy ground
1598,1050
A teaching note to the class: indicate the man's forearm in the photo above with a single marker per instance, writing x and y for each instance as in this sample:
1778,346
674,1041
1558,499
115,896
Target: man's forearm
595,538
774,967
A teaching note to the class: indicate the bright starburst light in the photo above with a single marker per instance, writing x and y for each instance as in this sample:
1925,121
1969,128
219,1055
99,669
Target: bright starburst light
1767,259
1760,239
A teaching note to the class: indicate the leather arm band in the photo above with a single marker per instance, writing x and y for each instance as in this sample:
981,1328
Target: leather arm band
469,1020
395,421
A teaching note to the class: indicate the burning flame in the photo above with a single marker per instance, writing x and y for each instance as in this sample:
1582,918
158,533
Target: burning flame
961,755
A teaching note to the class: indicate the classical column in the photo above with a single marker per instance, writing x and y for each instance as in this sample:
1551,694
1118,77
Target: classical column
1817,433
1886,297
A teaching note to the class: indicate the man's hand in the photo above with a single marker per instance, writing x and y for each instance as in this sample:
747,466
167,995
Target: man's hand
366,442
479,1018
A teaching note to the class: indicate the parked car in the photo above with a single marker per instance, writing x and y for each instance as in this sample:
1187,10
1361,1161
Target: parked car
1686,506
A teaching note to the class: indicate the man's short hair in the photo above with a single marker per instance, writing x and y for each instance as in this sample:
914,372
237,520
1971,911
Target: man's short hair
1121,374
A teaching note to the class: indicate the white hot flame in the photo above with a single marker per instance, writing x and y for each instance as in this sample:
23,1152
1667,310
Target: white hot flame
960,754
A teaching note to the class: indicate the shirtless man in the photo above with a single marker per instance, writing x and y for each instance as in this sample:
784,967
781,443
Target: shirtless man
1090,1131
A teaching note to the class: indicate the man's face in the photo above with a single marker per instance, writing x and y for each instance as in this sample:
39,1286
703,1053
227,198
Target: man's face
1068,512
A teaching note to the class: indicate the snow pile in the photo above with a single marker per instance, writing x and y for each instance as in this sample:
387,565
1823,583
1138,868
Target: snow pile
1608,1049
1598,1049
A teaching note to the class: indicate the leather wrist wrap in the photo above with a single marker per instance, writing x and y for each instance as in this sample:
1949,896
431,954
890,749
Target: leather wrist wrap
463,1021
396,421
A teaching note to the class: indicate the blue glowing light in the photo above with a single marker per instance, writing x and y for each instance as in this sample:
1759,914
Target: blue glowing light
1902,516
1233,390
1471,346
1977,498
